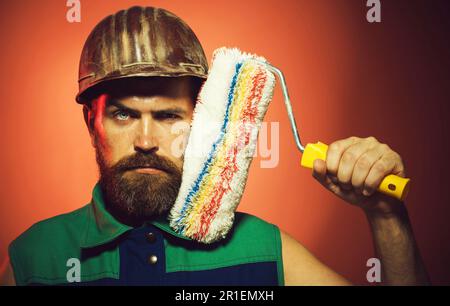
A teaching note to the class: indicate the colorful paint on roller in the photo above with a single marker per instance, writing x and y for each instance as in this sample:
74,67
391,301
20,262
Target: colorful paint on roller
227,117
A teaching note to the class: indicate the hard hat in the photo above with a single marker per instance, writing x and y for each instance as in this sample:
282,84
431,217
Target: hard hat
139,42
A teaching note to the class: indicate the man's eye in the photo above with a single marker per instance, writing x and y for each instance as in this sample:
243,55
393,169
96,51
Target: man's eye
121,115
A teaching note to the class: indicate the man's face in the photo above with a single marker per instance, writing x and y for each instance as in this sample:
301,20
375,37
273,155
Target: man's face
132,131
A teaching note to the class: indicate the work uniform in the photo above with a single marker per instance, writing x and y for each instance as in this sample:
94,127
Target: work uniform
107,252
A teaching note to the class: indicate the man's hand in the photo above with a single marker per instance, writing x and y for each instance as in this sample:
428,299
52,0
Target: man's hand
353,170
355,167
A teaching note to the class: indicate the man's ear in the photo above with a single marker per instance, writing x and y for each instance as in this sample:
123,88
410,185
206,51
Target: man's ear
89,123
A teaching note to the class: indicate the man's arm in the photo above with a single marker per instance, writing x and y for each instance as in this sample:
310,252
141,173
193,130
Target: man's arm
353,170
395,246
7,274
302,268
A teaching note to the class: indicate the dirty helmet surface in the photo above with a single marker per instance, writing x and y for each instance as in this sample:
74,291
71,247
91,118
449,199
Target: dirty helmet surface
139,42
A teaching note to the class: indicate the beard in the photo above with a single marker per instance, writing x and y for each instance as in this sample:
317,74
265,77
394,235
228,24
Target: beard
134,198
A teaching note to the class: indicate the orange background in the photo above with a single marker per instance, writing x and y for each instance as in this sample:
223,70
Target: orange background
346,77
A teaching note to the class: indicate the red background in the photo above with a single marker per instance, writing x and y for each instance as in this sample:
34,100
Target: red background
346,77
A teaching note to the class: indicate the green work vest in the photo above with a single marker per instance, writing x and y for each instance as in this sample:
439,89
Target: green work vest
107,250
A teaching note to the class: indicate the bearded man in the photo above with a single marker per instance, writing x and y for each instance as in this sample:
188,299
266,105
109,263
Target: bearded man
140,72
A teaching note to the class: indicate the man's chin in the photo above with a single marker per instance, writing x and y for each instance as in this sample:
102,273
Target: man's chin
135,197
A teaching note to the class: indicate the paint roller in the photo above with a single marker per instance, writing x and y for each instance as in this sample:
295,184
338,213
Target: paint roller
229,111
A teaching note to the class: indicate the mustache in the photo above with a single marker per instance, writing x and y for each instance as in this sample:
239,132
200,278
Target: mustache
140,160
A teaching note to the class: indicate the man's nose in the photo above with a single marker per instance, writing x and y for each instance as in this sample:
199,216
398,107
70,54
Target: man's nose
145,141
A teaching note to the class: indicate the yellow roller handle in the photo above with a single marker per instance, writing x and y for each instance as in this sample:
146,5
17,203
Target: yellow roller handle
392,185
